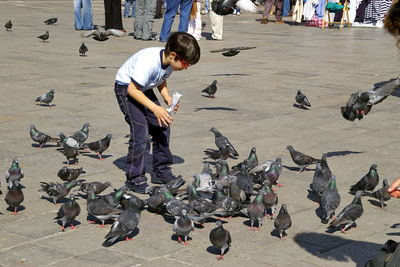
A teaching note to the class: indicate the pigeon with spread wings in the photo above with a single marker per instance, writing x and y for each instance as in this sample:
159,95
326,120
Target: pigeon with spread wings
226,7
230,52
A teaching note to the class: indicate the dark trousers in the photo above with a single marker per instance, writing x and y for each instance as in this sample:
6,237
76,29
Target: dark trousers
278,8
142,122
112,10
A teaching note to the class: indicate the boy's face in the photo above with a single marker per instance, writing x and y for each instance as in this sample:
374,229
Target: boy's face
177,62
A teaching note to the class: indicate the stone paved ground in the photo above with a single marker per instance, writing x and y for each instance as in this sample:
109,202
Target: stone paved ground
253,108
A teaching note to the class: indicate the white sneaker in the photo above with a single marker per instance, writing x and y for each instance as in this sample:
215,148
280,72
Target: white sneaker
378,24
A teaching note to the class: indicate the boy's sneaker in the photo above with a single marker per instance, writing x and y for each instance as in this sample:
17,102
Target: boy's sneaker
137,185
163,180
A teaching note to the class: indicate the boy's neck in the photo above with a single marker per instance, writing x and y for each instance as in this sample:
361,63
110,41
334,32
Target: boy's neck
165,59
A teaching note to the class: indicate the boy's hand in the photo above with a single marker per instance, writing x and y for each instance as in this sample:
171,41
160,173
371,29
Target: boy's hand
164,119
394,192
168,100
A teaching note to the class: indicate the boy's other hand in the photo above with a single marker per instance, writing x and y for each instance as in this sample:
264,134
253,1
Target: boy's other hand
394,192
164,119
168,101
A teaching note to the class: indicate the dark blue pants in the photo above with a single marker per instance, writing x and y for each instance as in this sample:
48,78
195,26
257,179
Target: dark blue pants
185,6
142,122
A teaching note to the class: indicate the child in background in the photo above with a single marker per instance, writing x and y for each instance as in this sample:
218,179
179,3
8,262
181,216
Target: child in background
195,20
129,5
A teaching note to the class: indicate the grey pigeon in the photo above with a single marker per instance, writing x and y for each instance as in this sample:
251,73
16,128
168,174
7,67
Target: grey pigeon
230,52
350,213
329,201
203,183
100,36
58,191
40,137
382,194
211,89
274,171
46,98
360,103
319,182
67,174
302,100
270,199
229,206
249,163
174,206
235,191
125,225
115,32
97,187
220,238
8,25
226,7
82,134
156,200
68,212
301,159
224,146
69,141
83,49
183,226
51,21
282,221
99,146
368,182
14,196
129,199
14,173
99,208
44,37
70,153
114,198
244,181
256,211
198,204
214,154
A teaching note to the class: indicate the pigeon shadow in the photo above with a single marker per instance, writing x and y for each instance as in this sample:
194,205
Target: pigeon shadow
134,233
174,237
44,145
94,156
19,208
336,248
59,201
376,203
215,108
100,67
215,251
71,162
230,74
342,153
300,107
74,223
396,92
46,105
90,217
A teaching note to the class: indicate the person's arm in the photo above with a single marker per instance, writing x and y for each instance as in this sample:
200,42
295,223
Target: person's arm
163,89
394,192
164,119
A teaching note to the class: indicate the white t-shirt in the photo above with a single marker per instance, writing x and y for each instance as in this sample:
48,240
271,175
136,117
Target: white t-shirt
144,68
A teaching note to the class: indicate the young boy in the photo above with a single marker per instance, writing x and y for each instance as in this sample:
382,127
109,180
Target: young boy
134,85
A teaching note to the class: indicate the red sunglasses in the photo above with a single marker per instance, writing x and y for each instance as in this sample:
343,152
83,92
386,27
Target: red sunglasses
184,64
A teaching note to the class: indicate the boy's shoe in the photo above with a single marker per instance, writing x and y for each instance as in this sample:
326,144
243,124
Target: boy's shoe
137,185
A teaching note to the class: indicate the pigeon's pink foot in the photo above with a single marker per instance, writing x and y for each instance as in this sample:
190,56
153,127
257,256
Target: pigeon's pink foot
73,227
186,243
101,226
62,228
220,257
279,185
128,239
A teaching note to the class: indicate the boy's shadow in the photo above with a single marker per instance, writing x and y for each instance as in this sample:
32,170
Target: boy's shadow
300,107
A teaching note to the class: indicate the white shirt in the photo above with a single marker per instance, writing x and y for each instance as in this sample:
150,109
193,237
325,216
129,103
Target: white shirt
145,69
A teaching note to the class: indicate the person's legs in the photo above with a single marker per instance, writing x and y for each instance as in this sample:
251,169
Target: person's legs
267,9
108,14
159,14
139,19
78,15
133,4
127,8
149,12
185,8
171,10
278,10
116,21
217,23
286,7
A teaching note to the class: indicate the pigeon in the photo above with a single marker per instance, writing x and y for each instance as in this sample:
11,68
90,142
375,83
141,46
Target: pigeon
226,7
67,174
44,37
129,199
360,103
69,141
214,154
368,182
270,198
8,25
329,201
99,146
99,208
82,134
227,204
211,89
183,226
235,191
220,238
203,183
83,49
51,21
97,187
274,171
256,211
115,32
282,221
319,182
248,163
244,181
46,98
156,200
39,137
174,206
58,191
230,52
302,100
125,225
301,159
70,153
198,204
114,198
68,212
382,194
225,147
350,213
14,196
14,173
100,36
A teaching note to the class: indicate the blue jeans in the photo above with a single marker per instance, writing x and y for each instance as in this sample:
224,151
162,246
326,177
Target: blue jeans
83,14
286,7
172,8
128,6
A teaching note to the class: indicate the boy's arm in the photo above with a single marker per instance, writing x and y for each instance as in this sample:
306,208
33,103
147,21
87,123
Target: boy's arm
162,88
164,119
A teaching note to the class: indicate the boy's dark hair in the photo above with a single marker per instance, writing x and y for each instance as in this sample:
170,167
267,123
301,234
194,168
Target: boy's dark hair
392,21
185,45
